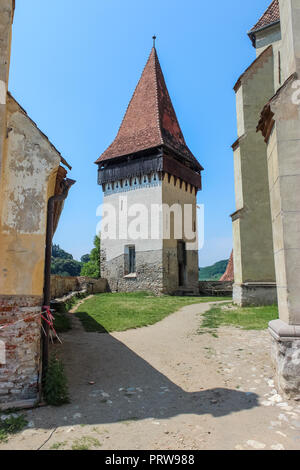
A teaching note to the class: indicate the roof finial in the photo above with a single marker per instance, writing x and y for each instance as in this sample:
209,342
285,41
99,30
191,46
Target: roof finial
154,39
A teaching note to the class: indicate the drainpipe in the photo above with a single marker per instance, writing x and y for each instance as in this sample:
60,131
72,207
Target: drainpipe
47,286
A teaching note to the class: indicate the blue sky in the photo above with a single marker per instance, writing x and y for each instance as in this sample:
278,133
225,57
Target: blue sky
74,68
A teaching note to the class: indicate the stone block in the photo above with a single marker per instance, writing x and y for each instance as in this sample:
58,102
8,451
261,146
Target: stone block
254,294
286,357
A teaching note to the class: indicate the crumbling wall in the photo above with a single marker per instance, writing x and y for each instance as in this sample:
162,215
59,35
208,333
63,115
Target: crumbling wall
6,18
64,285
29,168
19,363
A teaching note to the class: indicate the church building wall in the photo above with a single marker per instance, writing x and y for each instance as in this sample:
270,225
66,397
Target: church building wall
253,255
279,123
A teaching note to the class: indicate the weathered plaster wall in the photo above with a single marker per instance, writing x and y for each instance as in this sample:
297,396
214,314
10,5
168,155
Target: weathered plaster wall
6,18
29,172
28,177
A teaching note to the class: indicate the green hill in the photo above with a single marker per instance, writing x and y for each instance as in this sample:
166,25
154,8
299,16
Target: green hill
214,272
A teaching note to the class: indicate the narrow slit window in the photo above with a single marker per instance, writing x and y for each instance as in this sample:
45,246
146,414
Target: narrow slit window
132,260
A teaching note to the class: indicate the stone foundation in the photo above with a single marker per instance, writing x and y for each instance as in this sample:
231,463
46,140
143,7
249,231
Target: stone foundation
286,357
254,294
148,277
156,271
20,351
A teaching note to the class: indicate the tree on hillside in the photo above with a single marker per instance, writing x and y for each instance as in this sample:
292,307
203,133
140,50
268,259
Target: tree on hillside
92,267
63,264
214,272
58,252
65,267
85,258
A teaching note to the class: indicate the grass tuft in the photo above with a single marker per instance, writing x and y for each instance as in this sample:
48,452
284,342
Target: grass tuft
58,445
85,443
246,318
11,425
105,313
55,383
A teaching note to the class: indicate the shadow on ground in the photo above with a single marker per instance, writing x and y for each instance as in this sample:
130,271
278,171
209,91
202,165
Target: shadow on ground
126,387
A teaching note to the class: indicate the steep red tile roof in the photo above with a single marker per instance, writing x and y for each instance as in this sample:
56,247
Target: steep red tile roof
228,276
271,15
150,120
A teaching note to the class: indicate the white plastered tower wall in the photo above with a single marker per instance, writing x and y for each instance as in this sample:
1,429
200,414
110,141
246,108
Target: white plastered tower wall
121,202
156,252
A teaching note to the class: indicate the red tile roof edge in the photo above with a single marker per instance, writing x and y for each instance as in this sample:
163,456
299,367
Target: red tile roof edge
269,17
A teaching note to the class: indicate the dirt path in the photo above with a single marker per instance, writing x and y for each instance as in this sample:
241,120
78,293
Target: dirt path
166,387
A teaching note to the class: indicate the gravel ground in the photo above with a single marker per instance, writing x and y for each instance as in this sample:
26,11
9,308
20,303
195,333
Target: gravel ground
166,387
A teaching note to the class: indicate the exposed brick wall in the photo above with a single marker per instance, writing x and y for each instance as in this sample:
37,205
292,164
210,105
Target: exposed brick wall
19,376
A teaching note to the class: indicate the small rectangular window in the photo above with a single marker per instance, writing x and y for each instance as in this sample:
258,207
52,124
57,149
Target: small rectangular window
131,259
279,67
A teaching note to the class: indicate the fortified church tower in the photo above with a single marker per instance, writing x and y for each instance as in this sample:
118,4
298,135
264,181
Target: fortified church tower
147,167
